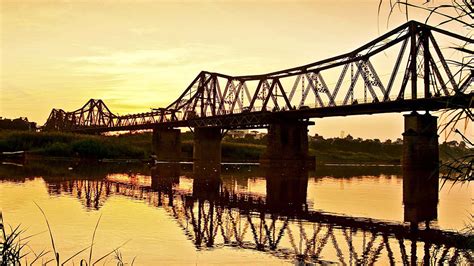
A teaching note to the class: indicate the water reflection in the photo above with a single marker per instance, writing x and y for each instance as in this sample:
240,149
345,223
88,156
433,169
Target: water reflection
214,212
286,189
420,200
163,178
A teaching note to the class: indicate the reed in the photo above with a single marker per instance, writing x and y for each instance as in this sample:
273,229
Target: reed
14,245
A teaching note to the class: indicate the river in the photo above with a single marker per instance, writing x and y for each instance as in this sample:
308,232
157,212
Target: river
172,214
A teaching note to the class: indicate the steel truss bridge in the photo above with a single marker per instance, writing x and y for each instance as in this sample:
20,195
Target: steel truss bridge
402,70
246,221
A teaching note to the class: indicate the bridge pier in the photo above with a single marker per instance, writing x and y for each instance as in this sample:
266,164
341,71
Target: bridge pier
420,165
167,144
287,145
206,162
207,148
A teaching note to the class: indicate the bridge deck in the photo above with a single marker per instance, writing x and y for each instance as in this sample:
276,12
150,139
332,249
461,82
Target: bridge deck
263,118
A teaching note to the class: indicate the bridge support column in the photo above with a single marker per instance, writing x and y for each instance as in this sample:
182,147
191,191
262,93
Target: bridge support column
287,145
167,144
420,165
207,149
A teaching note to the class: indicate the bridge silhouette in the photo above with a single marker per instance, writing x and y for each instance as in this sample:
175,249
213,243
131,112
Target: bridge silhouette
402,70
420,78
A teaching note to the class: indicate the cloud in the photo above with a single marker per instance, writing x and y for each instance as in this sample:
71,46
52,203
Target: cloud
166,61
166,57
143,31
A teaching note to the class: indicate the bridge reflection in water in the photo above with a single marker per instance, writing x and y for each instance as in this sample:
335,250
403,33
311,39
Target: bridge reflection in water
214,214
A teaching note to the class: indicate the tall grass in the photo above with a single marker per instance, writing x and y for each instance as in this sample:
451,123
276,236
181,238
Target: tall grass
69,144
13,248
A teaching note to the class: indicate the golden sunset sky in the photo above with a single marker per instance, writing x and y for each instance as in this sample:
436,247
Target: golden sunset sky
141,54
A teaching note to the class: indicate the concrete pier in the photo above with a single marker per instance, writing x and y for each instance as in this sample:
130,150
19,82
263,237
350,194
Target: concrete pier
420,165
287,145
167,144
207,147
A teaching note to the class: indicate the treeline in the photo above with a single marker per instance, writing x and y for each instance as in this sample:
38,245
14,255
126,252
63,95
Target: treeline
390,151
360,150
139,146
21,124
356,150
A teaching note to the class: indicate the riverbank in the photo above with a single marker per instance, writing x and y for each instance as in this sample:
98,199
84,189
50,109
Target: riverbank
139,147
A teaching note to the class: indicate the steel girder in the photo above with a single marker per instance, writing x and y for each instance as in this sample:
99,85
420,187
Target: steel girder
371,74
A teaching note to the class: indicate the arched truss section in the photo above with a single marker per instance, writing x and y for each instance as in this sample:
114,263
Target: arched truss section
404,69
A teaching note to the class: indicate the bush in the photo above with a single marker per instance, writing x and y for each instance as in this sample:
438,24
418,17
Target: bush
89,148
58,149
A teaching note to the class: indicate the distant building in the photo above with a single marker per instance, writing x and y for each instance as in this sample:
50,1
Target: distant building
240,134
255,134
237,134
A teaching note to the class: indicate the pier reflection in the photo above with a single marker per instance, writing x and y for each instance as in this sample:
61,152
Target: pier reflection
163,178
214,214
286,188
420,200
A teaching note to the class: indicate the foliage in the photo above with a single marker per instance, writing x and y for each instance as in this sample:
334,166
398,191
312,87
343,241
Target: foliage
138,146
239,151
69,144
11,248
458,13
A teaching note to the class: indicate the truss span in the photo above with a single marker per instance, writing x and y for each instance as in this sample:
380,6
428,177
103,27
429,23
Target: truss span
402,70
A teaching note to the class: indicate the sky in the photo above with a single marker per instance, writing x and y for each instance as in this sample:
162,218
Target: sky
136,55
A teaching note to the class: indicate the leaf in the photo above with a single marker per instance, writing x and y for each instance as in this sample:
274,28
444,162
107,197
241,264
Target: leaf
93,237
50,233
106,255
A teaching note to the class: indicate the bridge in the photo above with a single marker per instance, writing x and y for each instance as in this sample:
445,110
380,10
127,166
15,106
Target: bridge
402,70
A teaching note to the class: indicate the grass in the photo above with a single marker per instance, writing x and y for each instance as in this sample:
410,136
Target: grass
75,145
13,248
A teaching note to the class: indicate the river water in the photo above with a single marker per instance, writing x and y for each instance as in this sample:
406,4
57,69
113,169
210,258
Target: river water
174,214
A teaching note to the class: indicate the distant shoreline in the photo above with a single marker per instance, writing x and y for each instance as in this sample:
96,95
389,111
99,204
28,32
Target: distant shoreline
138,147
32,157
